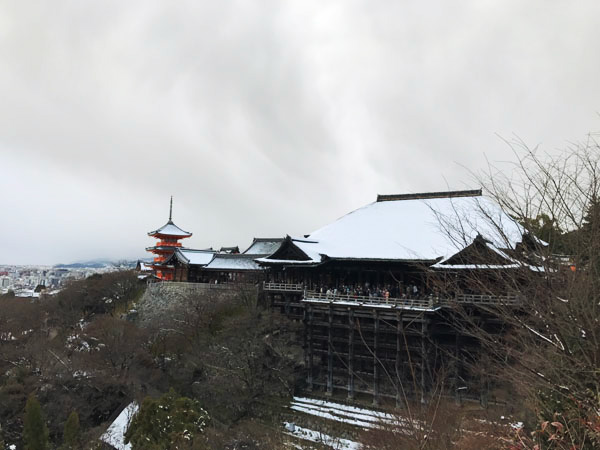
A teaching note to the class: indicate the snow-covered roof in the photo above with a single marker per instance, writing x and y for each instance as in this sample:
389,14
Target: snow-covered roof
509,262
308,254
236,262
234,250
194,257
145,267
263,246
170,229
423,227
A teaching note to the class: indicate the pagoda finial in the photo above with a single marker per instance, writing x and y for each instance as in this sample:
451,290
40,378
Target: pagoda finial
171,209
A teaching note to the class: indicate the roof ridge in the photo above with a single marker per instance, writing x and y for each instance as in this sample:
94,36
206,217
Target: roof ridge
429,195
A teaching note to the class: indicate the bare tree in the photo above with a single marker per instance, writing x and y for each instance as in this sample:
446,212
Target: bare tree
549,350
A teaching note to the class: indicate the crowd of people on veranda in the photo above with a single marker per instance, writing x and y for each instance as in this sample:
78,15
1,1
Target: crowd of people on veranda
385,291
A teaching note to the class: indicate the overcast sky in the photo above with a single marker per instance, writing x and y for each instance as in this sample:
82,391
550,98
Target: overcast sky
268,117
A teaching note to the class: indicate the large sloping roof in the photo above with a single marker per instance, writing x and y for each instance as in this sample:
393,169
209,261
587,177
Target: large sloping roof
413,227
170,229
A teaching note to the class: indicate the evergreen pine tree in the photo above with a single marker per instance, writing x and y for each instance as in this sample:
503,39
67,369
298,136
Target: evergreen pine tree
591,220
167,422
589,236
35,432
71,432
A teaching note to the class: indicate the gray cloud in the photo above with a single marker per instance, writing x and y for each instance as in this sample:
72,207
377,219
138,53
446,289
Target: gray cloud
266,118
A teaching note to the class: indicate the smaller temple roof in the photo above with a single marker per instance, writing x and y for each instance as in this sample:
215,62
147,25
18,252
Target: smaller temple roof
143,267
228,262
263,246
230,250
294,251
482,254
194,257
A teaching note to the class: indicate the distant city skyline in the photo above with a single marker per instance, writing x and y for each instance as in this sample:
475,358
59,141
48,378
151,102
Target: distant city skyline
270,118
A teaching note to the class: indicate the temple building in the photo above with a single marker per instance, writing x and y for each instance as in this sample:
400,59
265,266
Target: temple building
168,237
224,266
377,292
377,289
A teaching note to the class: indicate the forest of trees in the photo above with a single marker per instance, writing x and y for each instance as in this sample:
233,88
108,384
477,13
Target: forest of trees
69,363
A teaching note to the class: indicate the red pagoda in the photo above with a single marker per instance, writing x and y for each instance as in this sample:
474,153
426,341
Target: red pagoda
168,240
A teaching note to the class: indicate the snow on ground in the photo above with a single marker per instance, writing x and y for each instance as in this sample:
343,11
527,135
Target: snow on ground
316,436
115,434
351,415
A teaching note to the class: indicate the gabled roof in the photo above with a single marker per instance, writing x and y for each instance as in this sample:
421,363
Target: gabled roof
192,257
170,229
263,246
483,255
233,262
294,251
230,250
143,267
423,227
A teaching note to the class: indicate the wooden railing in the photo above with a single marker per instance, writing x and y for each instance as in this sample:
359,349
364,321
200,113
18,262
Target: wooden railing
428,302
283,287
168,244
486,299
361,299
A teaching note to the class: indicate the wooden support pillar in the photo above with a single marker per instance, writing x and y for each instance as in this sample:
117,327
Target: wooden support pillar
305,337
485,391
424,358
287,299
398,368
330,353
457,369
351,354
309,378
375,360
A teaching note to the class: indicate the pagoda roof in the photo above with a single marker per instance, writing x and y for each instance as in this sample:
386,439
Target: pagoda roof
162,248
170,229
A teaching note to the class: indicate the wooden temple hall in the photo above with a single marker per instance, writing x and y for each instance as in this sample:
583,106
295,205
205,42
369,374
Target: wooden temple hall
377,290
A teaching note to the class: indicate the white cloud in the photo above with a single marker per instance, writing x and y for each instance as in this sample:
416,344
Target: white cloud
267,118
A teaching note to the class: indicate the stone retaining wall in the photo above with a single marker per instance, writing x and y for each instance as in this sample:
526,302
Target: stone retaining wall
169,300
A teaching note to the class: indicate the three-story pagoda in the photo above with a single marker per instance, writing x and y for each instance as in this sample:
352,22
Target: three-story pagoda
168,240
